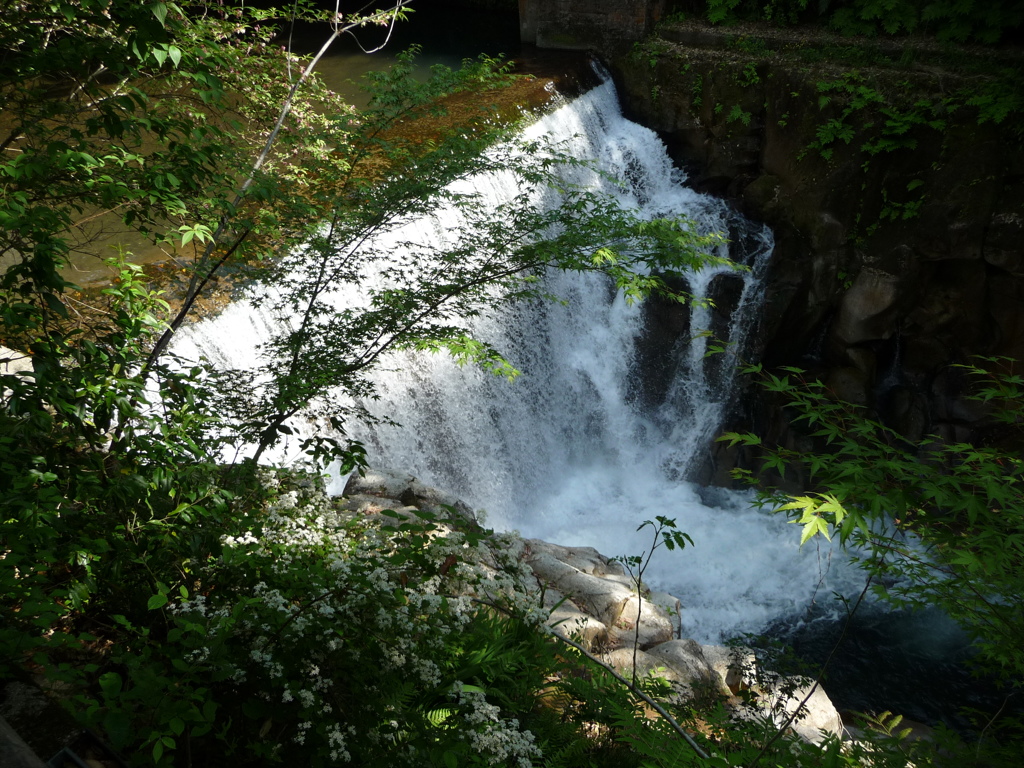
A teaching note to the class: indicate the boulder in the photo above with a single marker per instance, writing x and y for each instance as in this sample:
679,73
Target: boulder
677,661
672,607
734,666
570,622
366,504
687,661
621,660
868,309
584,559
599,588
405,489
378,482
601,598
640,621
820,718
435,501
12,361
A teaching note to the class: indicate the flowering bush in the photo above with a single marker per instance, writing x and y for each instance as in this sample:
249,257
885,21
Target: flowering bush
322,636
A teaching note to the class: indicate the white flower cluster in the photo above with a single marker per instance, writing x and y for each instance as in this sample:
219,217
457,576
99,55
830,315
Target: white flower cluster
499,739
321,587
239,541
336,742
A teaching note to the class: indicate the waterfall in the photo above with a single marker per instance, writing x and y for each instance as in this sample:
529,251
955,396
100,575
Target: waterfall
584,446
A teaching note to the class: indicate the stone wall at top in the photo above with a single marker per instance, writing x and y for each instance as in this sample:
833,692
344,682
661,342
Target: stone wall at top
891,265
587,24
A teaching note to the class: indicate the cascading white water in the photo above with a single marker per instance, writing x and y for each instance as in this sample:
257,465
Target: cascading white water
571,452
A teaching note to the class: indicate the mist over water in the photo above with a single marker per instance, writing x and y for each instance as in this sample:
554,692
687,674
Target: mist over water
583,447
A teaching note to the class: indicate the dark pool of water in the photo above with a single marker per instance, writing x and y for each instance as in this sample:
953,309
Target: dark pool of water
914,663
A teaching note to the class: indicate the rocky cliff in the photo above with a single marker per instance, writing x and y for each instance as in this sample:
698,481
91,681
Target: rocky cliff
892,178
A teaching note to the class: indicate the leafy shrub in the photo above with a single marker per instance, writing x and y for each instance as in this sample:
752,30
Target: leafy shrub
949,20
937,523
783,12
316,637
327,637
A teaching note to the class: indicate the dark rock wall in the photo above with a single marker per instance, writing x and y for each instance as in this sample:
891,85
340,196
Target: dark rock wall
890,266
587,24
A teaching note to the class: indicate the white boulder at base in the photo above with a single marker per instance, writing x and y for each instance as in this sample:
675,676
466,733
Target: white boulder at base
593,601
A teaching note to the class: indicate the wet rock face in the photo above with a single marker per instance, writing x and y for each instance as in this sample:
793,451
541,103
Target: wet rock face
889,266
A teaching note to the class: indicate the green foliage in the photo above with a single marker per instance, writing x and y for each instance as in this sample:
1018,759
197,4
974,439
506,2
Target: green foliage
931,523
865,109
318,636
893,210
997,101
867,17
649,51
59,469
665,534
963,21
751,45
749,77
856,108
948,20
737,113
697,93
936,523
782,12
119,111
722,11
112,109
676,17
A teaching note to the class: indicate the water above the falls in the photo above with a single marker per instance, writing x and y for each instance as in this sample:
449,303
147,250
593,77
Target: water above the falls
608,419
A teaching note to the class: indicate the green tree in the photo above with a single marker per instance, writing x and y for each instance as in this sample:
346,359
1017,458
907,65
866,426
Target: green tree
143,115
147,115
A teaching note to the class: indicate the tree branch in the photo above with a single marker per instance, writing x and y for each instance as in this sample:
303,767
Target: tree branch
195,286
